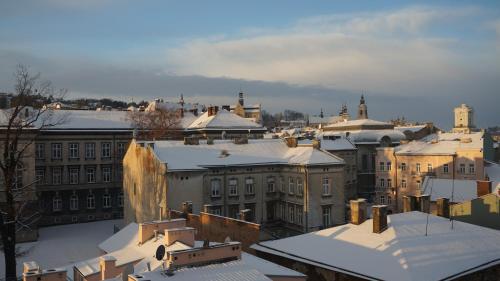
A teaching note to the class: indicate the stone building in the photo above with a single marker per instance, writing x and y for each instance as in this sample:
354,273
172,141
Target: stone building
252,112
401,170
464,119
266,181
366,135
78,165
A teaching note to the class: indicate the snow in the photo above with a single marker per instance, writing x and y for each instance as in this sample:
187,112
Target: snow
412,129
223,119
64,244
336,144
258,152
89,119
492,170
463,190
368,136
402,252
441,144
358,122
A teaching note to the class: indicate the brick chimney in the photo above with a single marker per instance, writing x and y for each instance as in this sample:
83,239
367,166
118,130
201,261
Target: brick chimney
291,142
316,143
32,272
245,214
212,110
187,207
423,203
147,229
182,234
358,211
483,187
202,256
379,213
108,267
443,207
409,203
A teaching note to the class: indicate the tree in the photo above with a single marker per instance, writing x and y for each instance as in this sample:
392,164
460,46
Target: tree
19,126
161,123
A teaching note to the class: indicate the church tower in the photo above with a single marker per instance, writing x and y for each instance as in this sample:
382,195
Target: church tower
362,109
464,119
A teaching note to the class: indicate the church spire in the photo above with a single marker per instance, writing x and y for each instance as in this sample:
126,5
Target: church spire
362,108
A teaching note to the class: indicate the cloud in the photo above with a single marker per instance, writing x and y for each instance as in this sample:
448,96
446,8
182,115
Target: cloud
381,52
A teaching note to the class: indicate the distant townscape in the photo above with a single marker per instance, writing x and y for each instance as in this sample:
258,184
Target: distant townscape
181,190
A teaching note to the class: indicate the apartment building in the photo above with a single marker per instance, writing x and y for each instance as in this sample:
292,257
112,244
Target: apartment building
269,181
401,170
78,166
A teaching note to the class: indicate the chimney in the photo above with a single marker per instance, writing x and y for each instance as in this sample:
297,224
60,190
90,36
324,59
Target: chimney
191,141
409,203
184,235
187,207
443,207
202,256
245,214
242,140
423,203
108,267
379,213
358,211
291,142
206,208
32,272
147,229
210,111
316,143
483,187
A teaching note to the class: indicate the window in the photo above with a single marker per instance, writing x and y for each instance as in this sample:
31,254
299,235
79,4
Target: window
364,162
74,151
389,200
389,166
326,186
74,175
382,199
106,201
300,186
215,188
300,214
40,176
120,199
121,148
106,174
233,187
282,212
418,184
429,167
56,203
90,150
90,175
105,150
56,175
446,169
283,184
291,185
382,182
91,201
403,183
403,166
381,166
291,213
270,184
73,202
249,186
417,167
462,169
327,216
40,151
389,183
57,151
472,169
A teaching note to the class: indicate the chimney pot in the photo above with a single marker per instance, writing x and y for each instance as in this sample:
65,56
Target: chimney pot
379,213
483,187
358,211
443,207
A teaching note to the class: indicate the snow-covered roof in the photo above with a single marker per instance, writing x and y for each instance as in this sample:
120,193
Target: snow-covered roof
91,120
223,119
368,136
358,122
63,245
442,144
462,190
492,170
413,129
402,252
178,156
333,144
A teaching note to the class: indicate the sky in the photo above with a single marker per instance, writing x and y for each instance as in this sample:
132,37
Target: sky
413,59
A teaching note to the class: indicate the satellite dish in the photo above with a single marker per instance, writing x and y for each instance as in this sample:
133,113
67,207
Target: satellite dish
160,252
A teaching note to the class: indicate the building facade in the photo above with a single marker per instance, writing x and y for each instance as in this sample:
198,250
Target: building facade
299,187
246,111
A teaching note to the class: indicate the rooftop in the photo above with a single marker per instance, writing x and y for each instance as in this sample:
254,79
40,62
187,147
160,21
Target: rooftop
402,252
462,190
368,136
358,122
226,153
223,119
442,144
